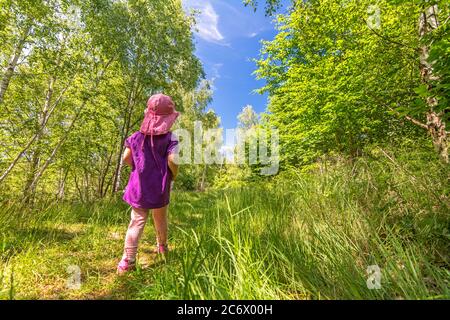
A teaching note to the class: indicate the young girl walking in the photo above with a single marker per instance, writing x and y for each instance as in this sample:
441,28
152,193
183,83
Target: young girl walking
150,153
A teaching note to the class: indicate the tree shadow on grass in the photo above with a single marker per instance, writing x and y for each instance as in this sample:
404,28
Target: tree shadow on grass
18,239
133,284
128,286
189,211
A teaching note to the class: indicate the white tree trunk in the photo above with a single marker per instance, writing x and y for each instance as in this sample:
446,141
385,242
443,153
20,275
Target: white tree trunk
69,129
125,130
47,112
4,84
435,124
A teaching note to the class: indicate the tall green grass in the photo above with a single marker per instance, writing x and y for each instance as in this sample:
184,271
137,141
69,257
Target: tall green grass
299,236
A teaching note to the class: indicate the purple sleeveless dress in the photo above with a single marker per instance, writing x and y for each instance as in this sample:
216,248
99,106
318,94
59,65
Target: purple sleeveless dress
149,183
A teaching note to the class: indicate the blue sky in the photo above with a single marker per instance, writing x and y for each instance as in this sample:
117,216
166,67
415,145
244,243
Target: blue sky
227,38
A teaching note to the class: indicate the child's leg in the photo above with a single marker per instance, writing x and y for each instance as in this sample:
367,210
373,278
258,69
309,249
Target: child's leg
135,229
160,220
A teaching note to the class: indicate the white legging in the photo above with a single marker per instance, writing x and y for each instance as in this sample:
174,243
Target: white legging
136,227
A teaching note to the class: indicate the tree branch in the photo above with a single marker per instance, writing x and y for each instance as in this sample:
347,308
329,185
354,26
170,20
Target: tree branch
386,38
409,118
417,122
446,20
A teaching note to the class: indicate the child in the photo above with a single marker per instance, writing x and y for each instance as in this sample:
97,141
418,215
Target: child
150,153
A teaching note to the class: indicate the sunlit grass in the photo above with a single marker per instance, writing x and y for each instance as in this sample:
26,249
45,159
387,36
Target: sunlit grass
306,236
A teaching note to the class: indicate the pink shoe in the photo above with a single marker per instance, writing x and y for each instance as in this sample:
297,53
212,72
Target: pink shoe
125,266
162,248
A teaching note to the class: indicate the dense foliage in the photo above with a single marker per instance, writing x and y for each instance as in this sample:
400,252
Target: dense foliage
75,79
343,75
359,92
301,236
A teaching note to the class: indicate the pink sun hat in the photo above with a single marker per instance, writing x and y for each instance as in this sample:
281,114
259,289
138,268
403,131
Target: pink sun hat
160,115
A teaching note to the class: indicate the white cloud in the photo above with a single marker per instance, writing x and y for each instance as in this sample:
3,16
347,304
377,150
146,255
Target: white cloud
216,70
207,21
214,74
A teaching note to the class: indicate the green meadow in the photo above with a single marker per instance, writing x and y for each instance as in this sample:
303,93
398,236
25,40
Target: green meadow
347,100
302,236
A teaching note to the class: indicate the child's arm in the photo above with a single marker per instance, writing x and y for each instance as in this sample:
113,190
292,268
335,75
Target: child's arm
172,165
127,157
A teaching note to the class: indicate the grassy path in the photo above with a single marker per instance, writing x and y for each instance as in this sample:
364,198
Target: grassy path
44,253
311,241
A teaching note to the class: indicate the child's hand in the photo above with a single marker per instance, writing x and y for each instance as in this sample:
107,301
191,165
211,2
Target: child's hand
172,166
171,185
127,157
